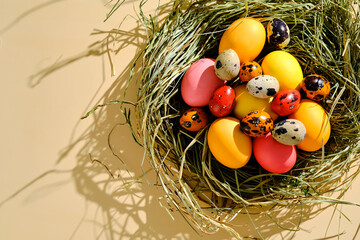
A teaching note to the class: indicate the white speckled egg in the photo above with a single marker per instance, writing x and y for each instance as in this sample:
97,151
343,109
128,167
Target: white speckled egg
263,86
227,65
289,132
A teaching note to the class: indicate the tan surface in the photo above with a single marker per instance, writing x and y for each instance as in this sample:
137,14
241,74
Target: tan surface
41,131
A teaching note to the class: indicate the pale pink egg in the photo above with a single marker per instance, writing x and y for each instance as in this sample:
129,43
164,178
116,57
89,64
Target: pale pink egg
273,156
200,82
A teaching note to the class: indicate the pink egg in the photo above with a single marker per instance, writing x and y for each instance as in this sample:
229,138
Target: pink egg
200,82
273,156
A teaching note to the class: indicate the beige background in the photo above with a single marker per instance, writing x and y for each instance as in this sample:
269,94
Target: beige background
49,189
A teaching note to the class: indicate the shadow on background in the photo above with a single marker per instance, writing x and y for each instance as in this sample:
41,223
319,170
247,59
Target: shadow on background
109,169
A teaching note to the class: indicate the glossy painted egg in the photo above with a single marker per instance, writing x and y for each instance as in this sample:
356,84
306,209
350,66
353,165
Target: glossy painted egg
247,36
249,70
263,86
199,83
194,119
315,87
278,33
227,65
289,132
286,102
228,144
284,67
222,102
256,124
245,103
315,120
273,156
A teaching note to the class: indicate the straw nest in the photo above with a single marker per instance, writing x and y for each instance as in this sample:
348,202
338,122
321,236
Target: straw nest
325,38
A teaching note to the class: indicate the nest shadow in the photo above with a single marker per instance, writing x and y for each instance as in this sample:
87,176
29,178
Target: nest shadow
111,171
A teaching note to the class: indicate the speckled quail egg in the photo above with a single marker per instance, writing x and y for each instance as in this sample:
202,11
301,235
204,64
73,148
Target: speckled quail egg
256,124
315,87
194,119
278,33
289,132
249,70
263,86
227,65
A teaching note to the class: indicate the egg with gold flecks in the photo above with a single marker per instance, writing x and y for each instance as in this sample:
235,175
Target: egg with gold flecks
278,33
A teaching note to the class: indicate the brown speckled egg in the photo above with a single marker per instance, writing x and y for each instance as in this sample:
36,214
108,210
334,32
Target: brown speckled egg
257,123
249,70
194,119
278,33
227,65
314,87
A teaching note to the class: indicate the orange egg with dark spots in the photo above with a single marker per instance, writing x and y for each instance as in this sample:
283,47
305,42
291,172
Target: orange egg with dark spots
194,119
256,124
249,70
314,87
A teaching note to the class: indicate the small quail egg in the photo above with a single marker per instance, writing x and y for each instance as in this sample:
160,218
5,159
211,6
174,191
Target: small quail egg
227,65
249,70
256,124
278,33
289,132
315,87
194,119
263,86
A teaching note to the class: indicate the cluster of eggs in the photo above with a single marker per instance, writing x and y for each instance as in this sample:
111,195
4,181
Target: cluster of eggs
272,113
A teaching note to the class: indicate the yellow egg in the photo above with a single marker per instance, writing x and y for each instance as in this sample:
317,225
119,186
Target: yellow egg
246,103
315,119
229,145
246,36
284,67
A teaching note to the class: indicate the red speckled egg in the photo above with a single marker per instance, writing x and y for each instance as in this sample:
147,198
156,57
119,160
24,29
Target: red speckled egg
222,101
286,102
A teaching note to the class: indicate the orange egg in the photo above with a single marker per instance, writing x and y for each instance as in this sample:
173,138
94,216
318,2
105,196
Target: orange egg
194,119
315,120
246,36
229,145
249,70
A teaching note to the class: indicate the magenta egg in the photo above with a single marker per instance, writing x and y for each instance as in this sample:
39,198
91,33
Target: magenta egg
273,156
222,101
200,82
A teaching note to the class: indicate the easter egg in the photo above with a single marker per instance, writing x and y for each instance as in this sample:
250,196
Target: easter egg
194,119
245,103
278,33
222,102
289,132
315,87
228,144
256,124
315,120
286,102
247,36
199,83
249,70
284,67
273,156
263,86
227,65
